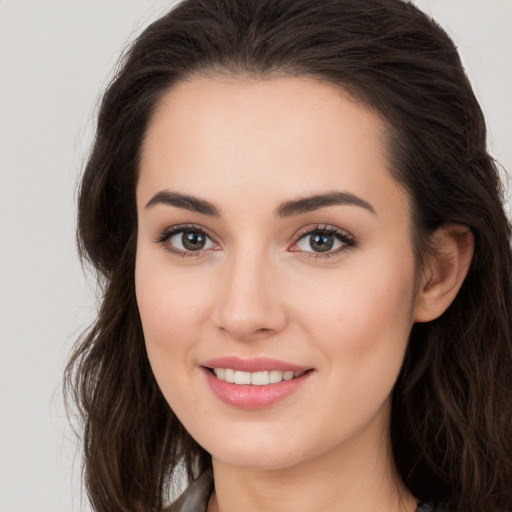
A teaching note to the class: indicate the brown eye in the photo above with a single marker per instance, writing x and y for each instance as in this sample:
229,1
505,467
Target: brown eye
186,240
324,241
321,242
192,240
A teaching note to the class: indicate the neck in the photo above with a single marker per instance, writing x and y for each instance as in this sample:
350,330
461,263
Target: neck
354,478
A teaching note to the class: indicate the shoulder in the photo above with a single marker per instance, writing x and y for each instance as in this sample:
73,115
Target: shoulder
196,496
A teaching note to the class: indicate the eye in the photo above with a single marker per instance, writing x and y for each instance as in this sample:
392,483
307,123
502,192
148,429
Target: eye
186,240
326,240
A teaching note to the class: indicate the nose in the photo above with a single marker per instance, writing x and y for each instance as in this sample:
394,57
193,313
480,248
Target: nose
250,304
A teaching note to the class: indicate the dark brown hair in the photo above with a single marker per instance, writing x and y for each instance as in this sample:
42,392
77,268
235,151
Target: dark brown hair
451,428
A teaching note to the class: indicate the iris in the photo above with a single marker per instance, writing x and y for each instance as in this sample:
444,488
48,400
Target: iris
193,240
320,242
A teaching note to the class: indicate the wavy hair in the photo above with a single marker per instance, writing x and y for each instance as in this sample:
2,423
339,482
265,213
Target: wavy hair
451,423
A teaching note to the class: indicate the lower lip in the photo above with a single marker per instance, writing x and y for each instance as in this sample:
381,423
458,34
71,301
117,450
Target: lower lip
245,396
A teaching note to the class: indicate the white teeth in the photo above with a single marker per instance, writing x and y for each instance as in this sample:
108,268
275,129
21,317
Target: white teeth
255,378
275,376
242,377
260,378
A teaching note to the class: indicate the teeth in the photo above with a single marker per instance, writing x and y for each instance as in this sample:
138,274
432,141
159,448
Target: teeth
242,377
275,376
260,378
254,378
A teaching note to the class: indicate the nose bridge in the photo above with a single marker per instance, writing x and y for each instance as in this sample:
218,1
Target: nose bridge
249,302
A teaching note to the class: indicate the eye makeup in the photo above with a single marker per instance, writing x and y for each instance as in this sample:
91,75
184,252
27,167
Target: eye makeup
322,241
313,241
187,240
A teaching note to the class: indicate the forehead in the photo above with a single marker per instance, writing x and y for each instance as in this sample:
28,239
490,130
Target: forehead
263,138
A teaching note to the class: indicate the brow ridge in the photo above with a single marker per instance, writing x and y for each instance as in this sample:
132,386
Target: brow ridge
185,201
286,209
316,201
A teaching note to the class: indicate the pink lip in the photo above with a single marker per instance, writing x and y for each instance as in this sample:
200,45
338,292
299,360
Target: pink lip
247,396
259,364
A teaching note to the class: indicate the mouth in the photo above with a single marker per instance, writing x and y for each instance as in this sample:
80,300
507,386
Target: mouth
260,378
254,383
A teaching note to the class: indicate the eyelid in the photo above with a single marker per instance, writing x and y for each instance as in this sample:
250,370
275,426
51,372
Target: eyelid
170,231
342,235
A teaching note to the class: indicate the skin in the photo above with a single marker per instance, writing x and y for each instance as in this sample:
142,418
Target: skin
258,289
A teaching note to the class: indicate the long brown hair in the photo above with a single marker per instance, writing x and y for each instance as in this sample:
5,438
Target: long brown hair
451,428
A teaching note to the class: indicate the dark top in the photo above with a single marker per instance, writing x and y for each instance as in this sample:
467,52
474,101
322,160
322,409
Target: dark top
196,497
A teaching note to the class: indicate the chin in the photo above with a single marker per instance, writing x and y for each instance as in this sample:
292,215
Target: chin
263,450
257,458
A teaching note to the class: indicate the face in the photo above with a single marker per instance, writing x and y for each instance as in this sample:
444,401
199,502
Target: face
274,249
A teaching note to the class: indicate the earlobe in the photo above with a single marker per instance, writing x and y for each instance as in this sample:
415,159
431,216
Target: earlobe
445,271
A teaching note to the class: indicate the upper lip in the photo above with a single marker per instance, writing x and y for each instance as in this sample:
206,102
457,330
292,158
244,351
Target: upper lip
258,364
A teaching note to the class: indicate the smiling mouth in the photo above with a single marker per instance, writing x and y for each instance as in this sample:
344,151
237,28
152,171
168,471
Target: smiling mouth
262,378
254,383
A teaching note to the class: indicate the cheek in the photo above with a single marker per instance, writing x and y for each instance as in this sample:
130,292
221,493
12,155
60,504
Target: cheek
361,318
171,308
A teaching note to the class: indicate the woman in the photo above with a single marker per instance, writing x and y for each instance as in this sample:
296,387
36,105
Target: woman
306,268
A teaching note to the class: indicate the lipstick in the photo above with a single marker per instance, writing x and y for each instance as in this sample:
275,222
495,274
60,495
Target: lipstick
253,383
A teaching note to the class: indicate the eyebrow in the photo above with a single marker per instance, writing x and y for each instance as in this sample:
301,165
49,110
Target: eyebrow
286,209
311,203
184,201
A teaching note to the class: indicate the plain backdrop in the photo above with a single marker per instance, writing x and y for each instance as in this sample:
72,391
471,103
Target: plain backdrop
55,58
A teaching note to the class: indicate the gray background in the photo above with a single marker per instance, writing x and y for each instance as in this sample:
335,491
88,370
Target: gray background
55,57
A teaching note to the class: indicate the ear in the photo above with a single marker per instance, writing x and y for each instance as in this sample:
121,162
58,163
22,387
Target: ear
445,270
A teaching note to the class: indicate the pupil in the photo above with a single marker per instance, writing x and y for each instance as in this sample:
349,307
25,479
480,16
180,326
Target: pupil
193,241
321,243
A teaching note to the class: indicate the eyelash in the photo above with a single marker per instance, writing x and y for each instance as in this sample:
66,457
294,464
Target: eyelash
342,236
168,233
